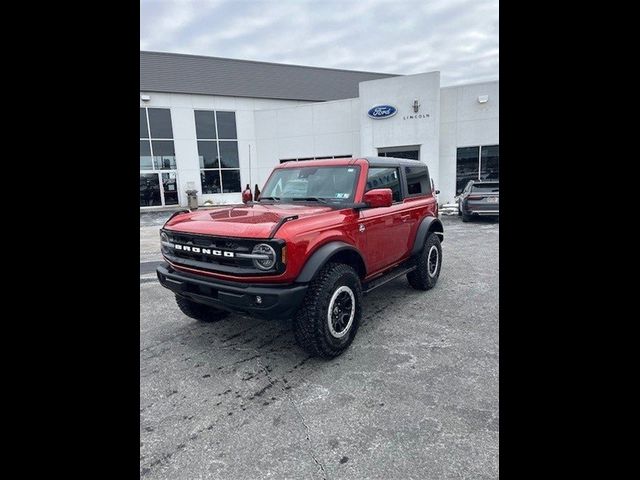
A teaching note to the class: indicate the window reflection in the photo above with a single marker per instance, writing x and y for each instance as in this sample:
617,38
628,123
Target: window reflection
149,190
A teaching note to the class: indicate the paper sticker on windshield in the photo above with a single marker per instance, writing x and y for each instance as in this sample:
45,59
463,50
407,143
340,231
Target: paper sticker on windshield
350,170
342,195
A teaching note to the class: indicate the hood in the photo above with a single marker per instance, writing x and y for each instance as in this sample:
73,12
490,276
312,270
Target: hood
246,221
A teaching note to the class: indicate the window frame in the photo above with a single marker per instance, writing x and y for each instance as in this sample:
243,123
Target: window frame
479,147
401,180
155,171
406,183
217,141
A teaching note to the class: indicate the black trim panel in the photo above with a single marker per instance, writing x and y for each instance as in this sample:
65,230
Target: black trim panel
320,257
423,230
278,301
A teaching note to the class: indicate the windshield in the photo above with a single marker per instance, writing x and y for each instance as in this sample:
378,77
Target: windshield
320,184
486,187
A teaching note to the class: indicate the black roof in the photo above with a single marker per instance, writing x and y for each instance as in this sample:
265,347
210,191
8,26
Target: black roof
195,74
386,161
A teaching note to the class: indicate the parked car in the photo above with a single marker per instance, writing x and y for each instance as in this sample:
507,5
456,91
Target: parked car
479,197
323,234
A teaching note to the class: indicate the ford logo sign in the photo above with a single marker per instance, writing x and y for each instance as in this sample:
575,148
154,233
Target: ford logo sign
382,111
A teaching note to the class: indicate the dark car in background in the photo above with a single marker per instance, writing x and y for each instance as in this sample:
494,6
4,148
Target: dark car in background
479,197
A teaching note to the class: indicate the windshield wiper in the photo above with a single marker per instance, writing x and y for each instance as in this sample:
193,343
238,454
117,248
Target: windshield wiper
310,199
269,198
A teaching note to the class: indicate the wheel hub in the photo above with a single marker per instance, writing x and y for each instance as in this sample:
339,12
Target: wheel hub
432,261
341,311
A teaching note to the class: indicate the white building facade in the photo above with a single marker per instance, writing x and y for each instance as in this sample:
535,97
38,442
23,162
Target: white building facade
217,144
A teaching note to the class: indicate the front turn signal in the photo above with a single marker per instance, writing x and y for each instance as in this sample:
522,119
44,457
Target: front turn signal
284,255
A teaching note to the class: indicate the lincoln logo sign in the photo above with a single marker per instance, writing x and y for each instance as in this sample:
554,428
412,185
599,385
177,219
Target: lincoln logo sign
382,111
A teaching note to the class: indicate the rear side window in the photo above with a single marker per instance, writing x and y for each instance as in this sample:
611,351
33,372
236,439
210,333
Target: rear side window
384,178
485,188
418,181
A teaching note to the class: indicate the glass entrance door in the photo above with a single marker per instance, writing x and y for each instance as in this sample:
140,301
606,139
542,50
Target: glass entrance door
158,176
158,189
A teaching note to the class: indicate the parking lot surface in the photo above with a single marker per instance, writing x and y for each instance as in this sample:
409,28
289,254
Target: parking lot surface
414,397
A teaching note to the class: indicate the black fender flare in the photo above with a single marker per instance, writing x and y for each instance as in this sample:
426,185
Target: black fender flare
321,256
428,224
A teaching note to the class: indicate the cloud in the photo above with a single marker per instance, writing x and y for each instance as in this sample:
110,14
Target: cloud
457,37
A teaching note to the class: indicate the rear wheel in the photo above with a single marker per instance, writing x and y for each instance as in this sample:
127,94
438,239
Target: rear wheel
328,320
199,312
465,217
429,262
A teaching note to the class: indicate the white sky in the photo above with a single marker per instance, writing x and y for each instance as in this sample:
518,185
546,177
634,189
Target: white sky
457,37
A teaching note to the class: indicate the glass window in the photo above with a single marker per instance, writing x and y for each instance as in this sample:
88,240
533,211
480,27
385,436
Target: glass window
160,123
226,124
210,181
145,155
164,156
490,163
418,182
231,181
205,125
170,188
335,184
411,153
466,166
229,155
208,154
384,178
144,132
149,190
486,187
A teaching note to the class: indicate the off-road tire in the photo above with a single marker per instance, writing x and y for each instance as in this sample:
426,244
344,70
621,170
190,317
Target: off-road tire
466,218
311,322
420,279
200,312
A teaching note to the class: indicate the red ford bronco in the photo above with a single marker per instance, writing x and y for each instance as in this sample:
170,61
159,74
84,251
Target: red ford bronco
322,234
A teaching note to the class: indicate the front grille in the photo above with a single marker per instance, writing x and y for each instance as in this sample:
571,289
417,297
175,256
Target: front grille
214,253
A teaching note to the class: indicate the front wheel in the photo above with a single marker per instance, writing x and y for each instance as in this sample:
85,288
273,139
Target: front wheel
429,263
327,322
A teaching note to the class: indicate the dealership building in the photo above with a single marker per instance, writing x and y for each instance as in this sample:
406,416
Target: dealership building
215,125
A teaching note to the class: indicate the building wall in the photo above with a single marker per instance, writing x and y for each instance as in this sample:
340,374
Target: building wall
312,130
271,130
406,127
464,122
182,107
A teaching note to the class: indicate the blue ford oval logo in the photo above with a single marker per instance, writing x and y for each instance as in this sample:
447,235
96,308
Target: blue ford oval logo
382,111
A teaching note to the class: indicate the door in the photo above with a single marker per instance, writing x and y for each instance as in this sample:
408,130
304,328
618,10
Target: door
158,189
158,169
386,231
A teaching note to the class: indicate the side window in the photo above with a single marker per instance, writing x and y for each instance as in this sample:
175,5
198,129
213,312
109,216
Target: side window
418,181
384,178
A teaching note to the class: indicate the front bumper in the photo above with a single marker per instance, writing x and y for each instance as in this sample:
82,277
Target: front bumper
278,301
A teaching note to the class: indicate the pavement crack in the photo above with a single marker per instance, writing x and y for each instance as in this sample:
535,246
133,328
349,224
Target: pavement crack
293,405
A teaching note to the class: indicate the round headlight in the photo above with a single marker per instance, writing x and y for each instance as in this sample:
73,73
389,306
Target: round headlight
269,256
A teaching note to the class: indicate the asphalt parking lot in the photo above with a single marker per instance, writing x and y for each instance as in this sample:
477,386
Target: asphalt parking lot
414,397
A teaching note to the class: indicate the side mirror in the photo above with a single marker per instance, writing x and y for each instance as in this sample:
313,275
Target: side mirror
378,197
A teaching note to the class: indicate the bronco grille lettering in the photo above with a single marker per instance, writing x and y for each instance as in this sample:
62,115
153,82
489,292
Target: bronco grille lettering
206,251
